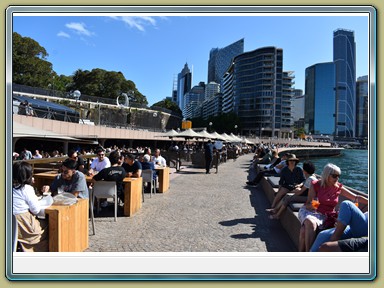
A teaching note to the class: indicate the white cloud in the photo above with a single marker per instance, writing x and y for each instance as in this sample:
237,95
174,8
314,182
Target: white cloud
63,34
138,22
79,28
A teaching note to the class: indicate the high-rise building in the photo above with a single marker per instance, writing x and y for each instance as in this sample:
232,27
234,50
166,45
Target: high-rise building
320,98
260,92
221,58
344,56
211,89
184,84
362,107
192,99
298,105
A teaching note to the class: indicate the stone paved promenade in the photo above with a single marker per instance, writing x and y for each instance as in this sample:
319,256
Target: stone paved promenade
199,213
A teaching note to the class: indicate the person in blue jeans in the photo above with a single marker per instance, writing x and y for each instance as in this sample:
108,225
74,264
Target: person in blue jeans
351,223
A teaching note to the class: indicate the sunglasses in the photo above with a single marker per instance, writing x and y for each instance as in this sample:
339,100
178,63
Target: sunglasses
100,154
335,176
65,171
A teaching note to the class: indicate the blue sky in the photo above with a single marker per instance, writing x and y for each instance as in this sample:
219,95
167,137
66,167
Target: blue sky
152,50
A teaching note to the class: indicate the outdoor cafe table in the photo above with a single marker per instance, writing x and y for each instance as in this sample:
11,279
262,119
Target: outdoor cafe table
68,227
163,177
132,189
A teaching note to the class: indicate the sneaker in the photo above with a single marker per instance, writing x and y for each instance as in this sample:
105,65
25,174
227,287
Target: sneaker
104,204
251,183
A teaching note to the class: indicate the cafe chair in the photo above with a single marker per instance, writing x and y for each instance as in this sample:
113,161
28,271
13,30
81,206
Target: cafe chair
91,210
147,176
105,189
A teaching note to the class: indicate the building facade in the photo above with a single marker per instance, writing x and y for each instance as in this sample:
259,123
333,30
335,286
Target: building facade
362,106
320,98
261,92
344,56
221,58
184,84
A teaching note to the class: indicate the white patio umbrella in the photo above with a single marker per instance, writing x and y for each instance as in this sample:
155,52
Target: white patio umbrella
189,133
236,138
227,138
205,134
217,136
171,133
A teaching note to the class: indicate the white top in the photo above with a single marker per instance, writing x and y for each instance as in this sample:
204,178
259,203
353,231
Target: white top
98,166
24,199
309,180
160,161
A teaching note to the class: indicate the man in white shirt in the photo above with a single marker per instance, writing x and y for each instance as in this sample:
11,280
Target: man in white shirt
158,159
99,163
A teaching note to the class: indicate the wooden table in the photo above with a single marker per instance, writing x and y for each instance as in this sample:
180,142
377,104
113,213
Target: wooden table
68,227
163,177
132,189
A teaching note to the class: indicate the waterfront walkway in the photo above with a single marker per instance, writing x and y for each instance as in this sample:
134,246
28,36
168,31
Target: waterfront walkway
199,213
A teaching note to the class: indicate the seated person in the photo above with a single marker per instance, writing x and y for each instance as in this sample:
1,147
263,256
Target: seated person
114,173
148,165
99,163
351,223
32,232
274,171
79,160
291,178
158,159
132,166
300,194
69,180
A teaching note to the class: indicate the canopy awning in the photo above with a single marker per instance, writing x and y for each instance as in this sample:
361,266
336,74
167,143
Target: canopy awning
26,131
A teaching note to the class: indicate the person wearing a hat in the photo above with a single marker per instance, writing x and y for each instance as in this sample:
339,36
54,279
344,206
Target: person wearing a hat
290,178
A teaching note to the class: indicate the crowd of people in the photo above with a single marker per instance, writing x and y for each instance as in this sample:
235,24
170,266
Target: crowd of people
32,232
327,224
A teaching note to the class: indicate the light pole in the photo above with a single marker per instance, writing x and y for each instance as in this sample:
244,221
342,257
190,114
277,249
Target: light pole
210,127
236,129
76,94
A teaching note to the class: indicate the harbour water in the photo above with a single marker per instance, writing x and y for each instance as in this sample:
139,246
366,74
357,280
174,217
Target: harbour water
353,165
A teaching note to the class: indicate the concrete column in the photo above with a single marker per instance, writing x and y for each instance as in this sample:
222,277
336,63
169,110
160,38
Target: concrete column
65,147
101,141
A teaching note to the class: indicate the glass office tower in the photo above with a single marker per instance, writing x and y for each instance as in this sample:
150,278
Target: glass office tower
320,99
344,56
261,92
221,58
362,107
184,84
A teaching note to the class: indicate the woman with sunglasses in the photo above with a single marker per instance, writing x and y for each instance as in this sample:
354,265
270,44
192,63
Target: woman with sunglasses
319,210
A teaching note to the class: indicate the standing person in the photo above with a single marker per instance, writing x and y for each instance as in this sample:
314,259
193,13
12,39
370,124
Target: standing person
99,163
32,232
208,154
23,108
322,215
114,173
69,180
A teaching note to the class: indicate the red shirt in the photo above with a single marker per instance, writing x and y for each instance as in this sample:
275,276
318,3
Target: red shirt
327,196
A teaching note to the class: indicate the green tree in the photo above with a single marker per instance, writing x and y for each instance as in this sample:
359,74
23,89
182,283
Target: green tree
29,66
168,104
105,84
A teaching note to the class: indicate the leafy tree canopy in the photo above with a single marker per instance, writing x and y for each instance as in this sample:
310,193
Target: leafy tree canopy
31,68
168,104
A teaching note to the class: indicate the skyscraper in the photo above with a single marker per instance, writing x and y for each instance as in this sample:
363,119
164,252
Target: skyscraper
362,107
220,59
184,84
320,98
344,56
261,92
